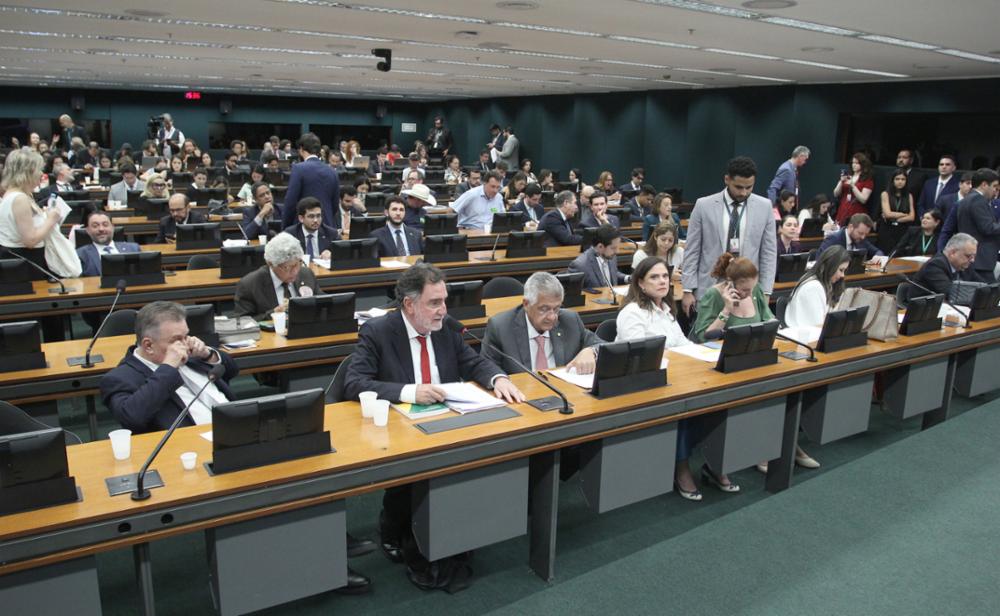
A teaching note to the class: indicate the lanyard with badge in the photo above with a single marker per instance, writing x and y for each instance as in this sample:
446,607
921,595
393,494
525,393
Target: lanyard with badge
733,236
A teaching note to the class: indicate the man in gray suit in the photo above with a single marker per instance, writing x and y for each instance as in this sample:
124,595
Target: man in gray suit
599,263
282,277
130,181
735,220
539,333
510,151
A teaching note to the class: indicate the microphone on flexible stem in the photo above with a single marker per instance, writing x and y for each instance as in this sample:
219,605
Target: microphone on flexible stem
86,361
540,404
812,351
614,295
141,493
49,275
885,266
493,254
950,305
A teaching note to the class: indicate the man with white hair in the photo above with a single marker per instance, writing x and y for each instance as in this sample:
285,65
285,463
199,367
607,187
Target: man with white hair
67,130
950,265
787,176
169,138
281,278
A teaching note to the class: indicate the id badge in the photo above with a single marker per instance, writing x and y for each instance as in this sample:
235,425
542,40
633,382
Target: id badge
734,245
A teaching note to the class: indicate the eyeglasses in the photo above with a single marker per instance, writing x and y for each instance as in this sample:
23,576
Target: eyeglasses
547,310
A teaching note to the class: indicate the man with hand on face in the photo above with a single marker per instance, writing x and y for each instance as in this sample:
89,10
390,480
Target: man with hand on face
180,214
597,214
349,206
396,239
256,217
312,234
281,278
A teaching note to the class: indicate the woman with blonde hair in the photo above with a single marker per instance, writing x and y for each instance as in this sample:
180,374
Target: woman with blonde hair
23,224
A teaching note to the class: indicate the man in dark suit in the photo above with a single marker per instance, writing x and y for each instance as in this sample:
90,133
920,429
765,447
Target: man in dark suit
485,165
475,179
312,178
180,214
396,239
257,216
439,138
641,205
597,214
67,130
975,217
101,231
558,223
937,189
953,263
312,234
853,237
599,263
378,164
634,185
347,208
394,359
950,223
530,206
914,179
281,278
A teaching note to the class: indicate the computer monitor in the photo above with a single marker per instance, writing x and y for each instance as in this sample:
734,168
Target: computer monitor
132,198
274,227
152,209
362,226
261,431
215,194
588,234
791,266
624,215
984,304
15,277
548,199
572,283
238,261
135,268
201,323
812,228
34,471
629,366
21,346
354,254
857,264
451,248
180,179
921,315
82,238
375,202
440,224
465,299
148,162
76,210
321,315
521,244
205,235
748,346
505,222
843,329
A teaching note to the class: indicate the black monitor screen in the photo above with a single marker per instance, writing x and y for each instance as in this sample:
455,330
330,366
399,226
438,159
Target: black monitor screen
238,261
465,299
135,268
199,236
857,265
440,224
445,248
588,234
749,338
521,244
505,222
201,323
20,338
375,202
362,226
28,457
572,283
354,254
844,322
15,277
624,215
811,228
321,315
792,266
617,359
152,209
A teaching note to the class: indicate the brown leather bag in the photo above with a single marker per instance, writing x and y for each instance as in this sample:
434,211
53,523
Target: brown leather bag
882,322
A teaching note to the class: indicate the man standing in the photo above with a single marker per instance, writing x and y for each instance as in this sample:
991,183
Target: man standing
787,176
937,189
169,138
914,179
396,239
102,235
510,151
476,206
975,217
312,234
853,237
736,221
951,264
599,263
67,130
951,216
439,139
558,223
311,178
180,214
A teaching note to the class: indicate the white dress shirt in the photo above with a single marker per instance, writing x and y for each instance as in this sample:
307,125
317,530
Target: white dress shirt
201,410
279,292
807,306
533,345
401,229
110,249
634,322
742,209
409,392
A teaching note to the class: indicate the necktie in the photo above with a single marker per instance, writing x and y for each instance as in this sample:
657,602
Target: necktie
286,291
400,246
107,250
309,245
425,361
937,193
541,361
734,225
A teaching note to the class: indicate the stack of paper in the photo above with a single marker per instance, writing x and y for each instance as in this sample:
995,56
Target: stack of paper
394,263
371,313
467,398
697,351
324,263
419,411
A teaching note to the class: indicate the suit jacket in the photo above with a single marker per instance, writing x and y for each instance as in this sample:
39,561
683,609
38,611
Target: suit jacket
975,217
587,220
910,244
840,239
522,207
914,182
928,202
66,136
255,294
249,222
508,331
325,236
937,276
387,241
509,153
382,361
461,187
168,226
143,400
592,276
706,238
784,179
638,212
558,232
446,142
311,178
335,221
119,191
90,257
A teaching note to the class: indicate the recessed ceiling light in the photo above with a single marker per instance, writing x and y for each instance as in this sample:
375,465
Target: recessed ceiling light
145,13
817,49
466,34
769,4
517,5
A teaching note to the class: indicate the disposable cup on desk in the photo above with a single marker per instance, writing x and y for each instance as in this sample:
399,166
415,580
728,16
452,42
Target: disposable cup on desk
380,412
189,459
262,240
121,444
280,320
368,400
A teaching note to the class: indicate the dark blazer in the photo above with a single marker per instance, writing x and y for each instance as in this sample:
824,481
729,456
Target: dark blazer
975,217
143,400
910,244
523,207
650,221
326,235
335,221
249,222
311,178
795,247
638,212
508,331
66,136
592,276
840,239
937,276
927,201
587,220
414,218
387,241
255,294
382,362
558,232
90,257
168,226
446,142
914,182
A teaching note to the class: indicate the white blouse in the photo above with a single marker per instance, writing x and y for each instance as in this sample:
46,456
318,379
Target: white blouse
674,261
633,322
808,306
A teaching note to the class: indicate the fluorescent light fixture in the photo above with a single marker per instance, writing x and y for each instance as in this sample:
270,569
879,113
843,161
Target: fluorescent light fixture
409,13
833,67
706,71
307,52
742,54
865,71
968,56
610,87
546,70
808,25
628,77
646,41
703,7
404,71
891,40
350,37
461,63
539,54
549,29
761,78
640,64
680,83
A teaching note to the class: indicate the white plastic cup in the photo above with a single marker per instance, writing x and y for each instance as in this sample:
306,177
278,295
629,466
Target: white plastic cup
380,413
280,320
189,459
262,240
121,444
368,399
488,228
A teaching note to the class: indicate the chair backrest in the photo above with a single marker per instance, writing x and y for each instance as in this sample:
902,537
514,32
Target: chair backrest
120,323
197,262
779,308
15,421
607,330
335,390
502,286
903,293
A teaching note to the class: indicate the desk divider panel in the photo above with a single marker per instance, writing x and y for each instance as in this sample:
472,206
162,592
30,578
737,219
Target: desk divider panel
68,587
836,411
464,511
742,436
977,371
627,468
276,559
915,389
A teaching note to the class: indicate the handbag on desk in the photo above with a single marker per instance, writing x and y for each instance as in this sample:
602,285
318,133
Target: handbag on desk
881,322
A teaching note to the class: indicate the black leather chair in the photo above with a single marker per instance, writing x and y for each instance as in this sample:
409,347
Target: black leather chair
502,286
607,330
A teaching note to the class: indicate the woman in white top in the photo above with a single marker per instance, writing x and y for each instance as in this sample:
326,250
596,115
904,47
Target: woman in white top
818,290
23,225
453,170
662,243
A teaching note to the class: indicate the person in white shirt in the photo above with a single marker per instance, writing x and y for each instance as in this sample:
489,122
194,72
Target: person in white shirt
818,290
476,206
662,243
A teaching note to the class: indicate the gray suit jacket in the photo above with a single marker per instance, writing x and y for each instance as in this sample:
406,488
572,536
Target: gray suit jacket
255,294
593,278
587,219
119,192
509,332
706,239
509,153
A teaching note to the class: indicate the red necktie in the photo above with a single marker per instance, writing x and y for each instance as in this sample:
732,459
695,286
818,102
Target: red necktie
425,361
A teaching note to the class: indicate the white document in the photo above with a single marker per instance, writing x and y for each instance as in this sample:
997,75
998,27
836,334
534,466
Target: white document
395,263
915,259
467,397
586,381
324,263
207,436
802,334
365,315
63,208
234,242
697,351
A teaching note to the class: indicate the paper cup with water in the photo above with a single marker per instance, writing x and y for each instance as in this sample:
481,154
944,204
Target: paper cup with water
121,444
280,320
380,412
189,459
368,399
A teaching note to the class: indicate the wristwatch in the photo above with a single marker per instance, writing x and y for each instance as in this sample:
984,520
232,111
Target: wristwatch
723,317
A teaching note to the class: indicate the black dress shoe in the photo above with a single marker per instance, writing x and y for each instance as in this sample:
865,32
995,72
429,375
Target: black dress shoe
357,584
358,547
392,549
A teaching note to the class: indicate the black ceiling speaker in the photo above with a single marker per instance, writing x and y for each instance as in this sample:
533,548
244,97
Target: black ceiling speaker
225,106
381,110
76,102
386,54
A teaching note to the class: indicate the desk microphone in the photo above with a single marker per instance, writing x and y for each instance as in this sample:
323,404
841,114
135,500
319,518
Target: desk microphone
85,361
457,326
885,266
493,254
812,351
49,275
614,294
214,374
945,299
